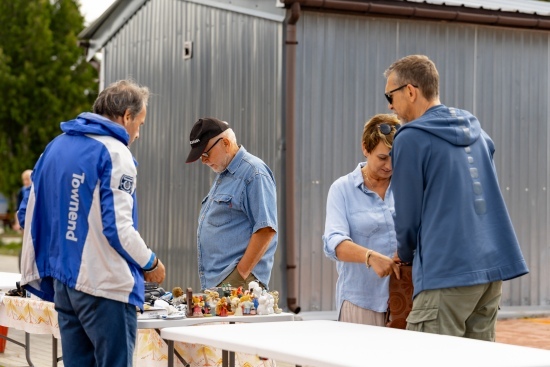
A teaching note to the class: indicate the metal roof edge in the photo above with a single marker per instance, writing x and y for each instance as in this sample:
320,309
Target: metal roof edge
97,34
94,37
263,9
424,10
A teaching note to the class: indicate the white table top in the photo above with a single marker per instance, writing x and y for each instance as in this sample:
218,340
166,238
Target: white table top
331,343
7,280
160,323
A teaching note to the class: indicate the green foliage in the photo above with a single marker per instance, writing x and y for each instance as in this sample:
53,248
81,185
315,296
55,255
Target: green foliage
44,80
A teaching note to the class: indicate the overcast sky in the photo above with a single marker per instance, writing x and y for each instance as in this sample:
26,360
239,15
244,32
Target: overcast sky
92,9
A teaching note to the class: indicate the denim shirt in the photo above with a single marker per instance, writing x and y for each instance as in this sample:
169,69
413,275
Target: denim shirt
358,214
242,200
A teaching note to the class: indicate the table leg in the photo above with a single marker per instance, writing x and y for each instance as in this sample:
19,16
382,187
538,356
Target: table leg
232,359
13,341
28,349
55,358
174,351
225,358
170,353
25,345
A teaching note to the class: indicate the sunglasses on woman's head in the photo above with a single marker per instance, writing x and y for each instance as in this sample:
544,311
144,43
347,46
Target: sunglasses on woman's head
387,128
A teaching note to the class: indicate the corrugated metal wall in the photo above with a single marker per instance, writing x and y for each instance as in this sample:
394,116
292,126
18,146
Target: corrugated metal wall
500,75
234,74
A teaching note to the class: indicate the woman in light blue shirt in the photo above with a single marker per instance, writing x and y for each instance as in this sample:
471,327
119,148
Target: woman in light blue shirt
359,230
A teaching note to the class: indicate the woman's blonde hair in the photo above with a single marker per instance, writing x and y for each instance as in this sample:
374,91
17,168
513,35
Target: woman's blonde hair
372,135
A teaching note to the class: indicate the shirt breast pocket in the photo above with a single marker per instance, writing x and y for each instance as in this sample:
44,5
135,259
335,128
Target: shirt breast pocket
364,224
220,210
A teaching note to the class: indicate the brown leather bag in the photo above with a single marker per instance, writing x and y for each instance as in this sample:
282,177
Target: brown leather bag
400,301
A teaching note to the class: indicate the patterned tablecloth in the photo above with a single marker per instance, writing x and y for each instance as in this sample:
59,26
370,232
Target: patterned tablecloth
30,315
40,317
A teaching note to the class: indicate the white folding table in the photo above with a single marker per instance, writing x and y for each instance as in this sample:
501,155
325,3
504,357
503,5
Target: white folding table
331,344
228,356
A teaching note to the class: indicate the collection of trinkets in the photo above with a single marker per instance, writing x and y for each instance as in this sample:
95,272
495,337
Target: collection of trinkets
220,301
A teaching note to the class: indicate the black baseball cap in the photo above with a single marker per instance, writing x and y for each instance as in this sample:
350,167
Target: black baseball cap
204,130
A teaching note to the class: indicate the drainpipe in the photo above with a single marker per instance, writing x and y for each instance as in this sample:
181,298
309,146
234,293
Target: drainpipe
291,43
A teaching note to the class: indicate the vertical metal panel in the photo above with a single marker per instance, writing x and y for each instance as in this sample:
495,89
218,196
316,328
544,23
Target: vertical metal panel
501,75
513,83
234,74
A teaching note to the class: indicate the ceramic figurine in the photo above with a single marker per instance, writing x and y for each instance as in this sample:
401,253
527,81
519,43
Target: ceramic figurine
276,308
246,303
236,306
197,306
262,305
221,308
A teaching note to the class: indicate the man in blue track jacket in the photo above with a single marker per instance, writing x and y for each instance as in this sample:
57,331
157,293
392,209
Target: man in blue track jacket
81,246
450,216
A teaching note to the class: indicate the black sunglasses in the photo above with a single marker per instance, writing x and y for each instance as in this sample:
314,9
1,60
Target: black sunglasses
205,154
387,128
389,96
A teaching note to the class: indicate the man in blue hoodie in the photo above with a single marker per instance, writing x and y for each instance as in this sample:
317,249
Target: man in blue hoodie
451,219
81,247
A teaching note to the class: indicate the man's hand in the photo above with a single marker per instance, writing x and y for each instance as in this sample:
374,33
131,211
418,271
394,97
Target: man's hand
157,275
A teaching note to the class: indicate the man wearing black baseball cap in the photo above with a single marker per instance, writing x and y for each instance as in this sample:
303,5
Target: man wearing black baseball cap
237,230
204,130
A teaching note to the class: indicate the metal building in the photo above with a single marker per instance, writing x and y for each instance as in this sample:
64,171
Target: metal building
297,79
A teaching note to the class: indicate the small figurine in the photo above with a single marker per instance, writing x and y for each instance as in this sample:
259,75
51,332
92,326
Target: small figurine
212,298
235,306
221,308
262,305
276,308
197,306
246,303
226,290
178,296
256,291
270,303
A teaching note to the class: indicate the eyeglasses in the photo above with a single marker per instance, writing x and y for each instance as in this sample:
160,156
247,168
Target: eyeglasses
205,154
389,96
386,129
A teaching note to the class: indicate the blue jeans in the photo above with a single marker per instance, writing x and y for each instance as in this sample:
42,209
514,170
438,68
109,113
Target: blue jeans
95,331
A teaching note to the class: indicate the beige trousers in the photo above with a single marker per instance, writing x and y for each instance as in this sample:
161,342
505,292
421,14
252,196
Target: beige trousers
357,315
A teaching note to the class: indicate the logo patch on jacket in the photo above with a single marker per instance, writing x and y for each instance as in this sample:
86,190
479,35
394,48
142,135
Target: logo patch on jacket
126,184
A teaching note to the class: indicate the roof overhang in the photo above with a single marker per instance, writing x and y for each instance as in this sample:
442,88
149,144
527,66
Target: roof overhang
523,15
103,28
97,34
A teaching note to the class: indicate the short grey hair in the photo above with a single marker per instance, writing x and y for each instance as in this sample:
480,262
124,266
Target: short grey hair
229,134
419,71
120,96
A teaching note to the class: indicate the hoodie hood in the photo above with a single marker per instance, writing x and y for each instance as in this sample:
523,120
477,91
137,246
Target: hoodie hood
91,123
458,127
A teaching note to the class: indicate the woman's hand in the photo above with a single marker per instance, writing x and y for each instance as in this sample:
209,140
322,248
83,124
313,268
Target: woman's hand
383,265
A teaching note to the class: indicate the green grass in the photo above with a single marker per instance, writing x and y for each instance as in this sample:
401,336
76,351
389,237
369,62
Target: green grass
8,247
12,249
